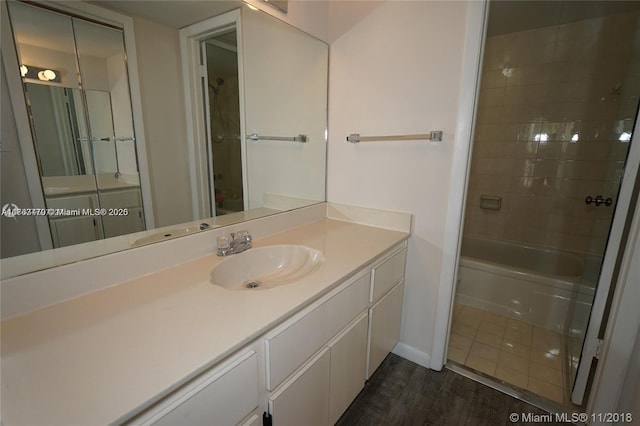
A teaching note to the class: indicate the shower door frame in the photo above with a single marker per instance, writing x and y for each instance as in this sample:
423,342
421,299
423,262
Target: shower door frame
207,121
208,112
465,126
197,134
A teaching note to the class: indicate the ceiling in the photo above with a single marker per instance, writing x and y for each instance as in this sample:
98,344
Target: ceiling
176,14
521,15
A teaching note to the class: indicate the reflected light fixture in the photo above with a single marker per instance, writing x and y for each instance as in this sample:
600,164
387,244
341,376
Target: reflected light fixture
625,137
40,74
541,137
47,75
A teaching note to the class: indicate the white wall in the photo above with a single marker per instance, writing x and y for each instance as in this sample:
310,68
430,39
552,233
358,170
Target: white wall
398,71
163,106
284,95
122,114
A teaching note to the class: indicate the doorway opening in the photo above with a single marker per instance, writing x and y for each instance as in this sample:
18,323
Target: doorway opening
557,106
222,111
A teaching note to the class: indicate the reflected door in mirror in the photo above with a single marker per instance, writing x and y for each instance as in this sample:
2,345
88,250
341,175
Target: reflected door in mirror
82,126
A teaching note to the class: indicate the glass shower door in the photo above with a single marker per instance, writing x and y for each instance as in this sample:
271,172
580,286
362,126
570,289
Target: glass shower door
558,102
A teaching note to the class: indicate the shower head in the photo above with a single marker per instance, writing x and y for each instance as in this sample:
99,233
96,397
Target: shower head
219,82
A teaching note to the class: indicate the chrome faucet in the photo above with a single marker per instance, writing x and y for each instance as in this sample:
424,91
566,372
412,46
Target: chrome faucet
236,243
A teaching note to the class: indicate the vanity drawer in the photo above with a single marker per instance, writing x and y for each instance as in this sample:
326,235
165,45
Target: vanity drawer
387,274
291,344
89,201
120,198
224,396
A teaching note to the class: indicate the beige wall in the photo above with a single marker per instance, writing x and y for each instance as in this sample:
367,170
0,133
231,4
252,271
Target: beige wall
398,71
158,51
560,83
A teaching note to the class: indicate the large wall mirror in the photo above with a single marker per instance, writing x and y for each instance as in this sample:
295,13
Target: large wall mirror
119,134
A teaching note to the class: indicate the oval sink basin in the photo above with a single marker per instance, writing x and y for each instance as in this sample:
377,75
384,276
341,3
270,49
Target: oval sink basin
266,267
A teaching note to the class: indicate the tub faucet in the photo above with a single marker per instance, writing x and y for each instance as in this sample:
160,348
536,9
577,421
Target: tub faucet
236,243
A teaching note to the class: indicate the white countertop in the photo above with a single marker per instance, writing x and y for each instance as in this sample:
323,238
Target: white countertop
96,358
55,186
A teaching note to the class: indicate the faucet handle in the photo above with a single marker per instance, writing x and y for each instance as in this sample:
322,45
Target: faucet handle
223,245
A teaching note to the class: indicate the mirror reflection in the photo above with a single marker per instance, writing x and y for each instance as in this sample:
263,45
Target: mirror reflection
62,150
220,58
82,126
101,139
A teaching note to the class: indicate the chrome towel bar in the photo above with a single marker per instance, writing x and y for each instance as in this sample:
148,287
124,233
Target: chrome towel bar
435,136
109,139
257,137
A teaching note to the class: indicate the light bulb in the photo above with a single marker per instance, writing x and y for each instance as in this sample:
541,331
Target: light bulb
50,74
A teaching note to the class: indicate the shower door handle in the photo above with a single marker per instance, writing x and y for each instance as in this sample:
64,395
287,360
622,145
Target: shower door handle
599,200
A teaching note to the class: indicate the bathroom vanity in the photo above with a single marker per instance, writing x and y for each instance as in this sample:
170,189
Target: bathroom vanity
172,348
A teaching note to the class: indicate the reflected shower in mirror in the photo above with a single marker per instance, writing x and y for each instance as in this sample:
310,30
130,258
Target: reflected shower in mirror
221,61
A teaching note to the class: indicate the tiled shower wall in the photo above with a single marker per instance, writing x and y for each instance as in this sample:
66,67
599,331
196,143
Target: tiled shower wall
225,133
556,110
227,153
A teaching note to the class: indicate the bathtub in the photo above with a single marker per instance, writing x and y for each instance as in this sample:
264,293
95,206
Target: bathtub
536,285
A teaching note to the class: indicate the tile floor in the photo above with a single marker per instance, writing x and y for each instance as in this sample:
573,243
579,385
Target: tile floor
515,352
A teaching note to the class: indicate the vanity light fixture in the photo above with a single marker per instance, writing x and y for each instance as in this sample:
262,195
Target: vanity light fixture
47,75
41,74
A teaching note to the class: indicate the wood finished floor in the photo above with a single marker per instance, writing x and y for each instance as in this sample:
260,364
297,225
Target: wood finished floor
403,393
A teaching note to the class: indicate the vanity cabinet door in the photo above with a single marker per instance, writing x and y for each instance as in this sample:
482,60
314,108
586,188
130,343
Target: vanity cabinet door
384,326
348,366
224,396
118,223
115,225
74,230
70,230
303,399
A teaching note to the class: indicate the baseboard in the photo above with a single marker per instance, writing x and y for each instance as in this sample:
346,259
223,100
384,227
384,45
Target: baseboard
412,354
